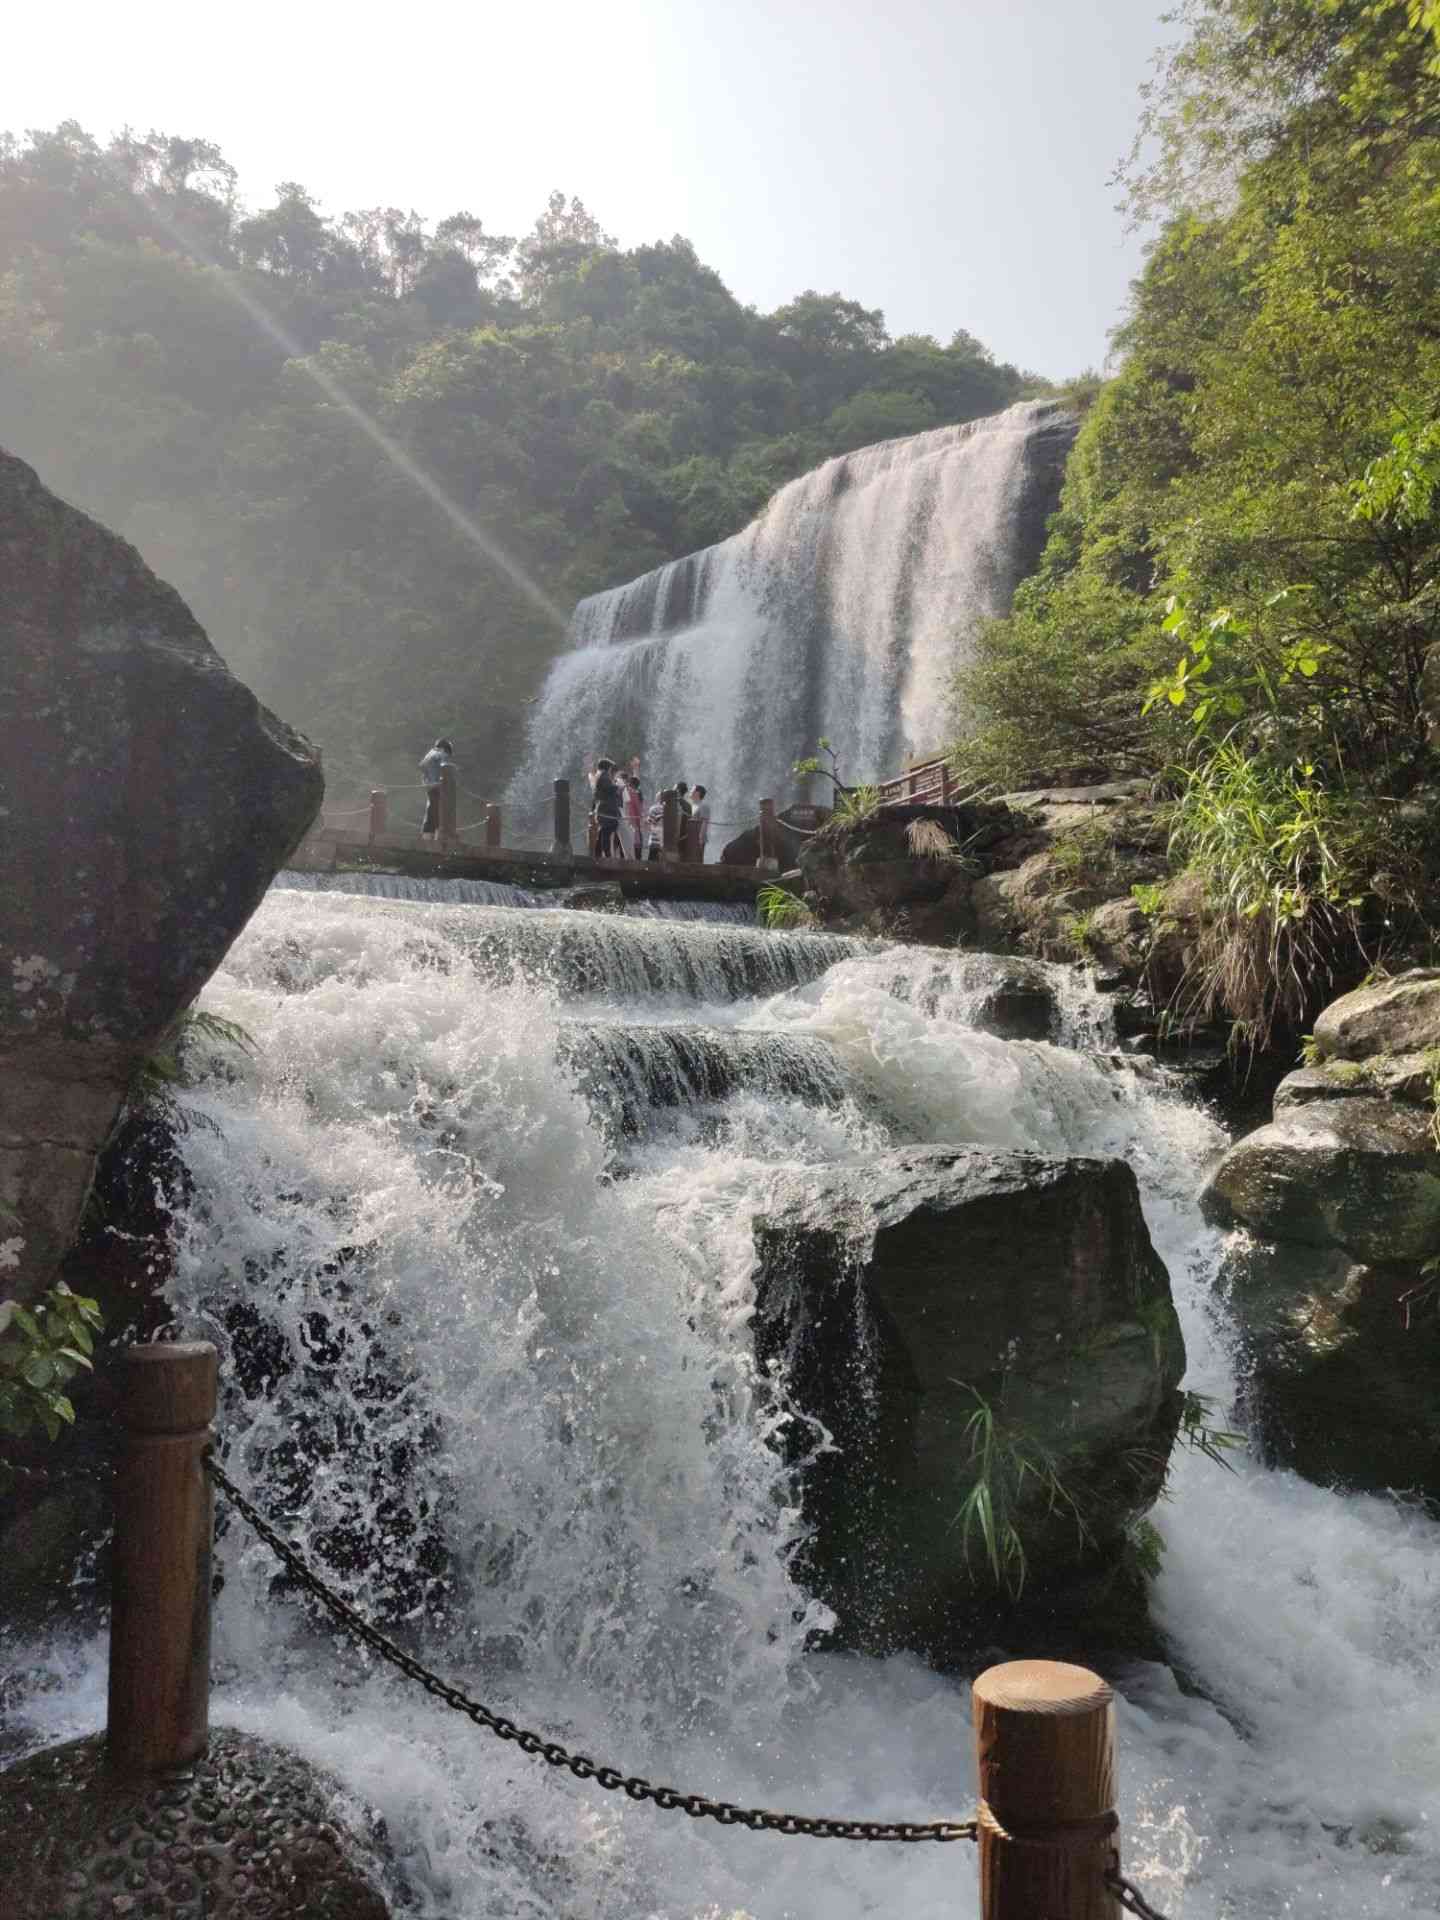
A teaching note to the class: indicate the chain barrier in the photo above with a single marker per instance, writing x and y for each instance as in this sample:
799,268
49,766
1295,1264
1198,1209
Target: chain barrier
1127,1893
668,1799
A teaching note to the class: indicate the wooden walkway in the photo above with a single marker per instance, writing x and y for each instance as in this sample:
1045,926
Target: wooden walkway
336,850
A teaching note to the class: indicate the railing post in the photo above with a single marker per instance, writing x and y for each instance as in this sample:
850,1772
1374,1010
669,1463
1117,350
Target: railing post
379,803
159,1711
561,843
670,826
769,839
944,783
492,824
1045,1744
448,815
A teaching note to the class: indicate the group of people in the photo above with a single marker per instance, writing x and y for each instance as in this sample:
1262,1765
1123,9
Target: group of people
622,826
625,828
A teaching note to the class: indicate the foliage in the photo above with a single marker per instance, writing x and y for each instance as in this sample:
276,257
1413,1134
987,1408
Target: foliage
1280,858
1245,565
204,377
42,1348
1015,1477
1077,930
1200,1434
928,840
854,804
827,767
778,908
169,1066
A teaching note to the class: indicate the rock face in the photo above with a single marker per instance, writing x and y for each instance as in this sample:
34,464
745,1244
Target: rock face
955,1272
1340,1200
146,801
247,1832
873,874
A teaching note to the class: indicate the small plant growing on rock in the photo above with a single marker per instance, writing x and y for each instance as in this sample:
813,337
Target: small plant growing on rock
1011,1466
928,840
1077,930
42,1348
778,909
169,1067
853,804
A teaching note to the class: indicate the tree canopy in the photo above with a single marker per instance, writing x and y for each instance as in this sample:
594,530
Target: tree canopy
382,457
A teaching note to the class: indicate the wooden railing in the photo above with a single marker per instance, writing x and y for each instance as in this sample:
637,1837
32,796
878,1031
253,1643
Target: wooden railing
931,783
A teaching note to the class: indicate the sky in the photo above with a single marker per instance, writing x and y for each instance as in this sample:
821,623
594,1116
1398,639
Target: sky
946,162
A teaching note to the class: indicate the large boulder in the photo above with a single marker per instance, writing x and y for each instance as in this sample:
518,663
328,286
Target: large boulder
1338,1362
147,801
902,1298
1355,1173
908,867
1400,1015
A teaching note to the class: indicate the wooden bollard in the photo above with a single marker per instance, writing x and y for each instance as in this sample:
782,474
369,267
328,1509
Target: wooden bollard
561,843
769,839
945,783
159,1712
448,815
670,826
379,806
492,825
1045,1743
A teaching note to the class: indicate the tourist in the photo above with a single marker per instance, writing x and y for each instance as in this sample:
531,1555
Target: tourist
681,794
635,813
432,779
606,812
655,826
700,822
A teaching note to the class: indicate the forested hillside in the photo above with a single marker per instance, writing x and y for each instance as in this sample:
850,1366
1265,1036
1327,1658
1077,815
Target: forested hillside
380,458
1243,583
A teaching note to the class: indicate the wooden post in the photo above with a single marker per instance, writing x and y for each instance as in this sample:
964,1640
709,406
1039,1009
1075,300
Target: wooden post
670,826
159,1714
492,824
1045,1742
379,803
944,783
448,815
561,842
769,839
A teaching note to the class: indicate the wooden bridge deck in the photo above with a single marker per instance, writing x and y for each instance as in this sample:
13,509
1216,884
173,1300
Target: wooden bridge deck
338,850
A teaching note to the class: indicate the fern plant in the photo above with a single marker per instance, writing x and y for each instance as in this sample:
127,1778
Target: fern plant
779,909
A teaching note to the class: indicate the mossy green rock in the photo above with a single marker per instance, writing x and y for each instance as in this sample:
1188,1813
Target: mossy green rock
892,1294
1339,1363
1358,1173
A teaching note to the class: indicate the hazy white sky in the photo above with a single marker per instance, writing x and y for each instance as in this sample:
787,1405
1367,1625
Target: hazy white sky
945,161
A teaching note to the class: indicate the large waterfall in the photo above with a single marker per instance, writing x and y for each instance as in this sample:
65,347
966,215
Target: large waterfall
838,612
472,1230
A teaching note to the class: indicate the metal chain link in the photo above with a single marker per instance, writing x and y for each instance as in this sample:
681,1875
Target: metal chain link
668,1799
1127,1893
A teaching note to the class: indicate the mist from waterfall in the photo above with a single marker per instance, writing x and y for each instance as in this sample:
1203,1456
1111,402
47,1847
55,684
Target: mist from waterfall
838,612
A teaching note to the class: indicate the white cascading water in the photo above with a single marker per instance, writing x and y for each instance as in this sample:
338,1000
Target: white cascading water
473,1232
839,612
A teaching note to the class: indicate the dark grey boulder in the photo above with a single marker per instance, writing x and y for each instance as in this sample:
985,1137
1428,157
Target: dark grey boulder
892,1295
146,801
1358,1173
1338,1363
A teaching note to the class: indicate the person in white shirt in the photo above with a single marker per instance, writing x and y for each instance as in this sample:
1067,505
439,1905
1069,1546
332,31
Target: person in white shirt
700,820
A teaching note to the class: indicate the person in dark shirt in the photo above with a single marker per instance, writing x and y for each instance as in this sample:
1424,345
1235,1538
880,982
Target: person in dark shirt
607,809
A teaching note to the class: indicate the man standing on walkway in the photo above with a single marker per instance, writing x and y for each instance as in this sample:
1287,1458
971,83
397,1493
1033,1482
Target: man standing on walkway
432,778
700,820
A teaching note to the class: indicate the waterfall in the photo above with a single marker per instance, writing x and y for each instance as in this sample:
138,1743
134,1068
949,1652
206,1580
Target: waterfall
472,1230
839,612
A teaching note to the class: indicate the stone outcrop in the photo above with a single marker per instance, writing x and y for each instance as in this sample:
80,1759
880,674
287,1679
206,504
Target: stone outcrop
146,801
247,1832
898,1297
874,874
1339,1199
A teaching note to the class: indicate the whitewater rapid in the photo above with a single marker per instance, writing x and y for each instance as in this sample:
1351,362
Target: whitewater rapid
488,1180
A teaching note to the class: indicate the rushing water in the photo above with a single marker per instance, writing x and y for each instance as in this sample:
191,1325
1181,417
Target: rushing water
837,612
488,1182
